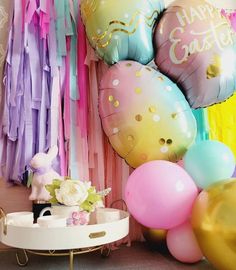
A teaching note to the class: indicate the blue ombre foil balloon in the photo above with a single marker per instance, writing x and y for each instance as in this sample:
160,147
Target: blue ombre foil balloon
121,29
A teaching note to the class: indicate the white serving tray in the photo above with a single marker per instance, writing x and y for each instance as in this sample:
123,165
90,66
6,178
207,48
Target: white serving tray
38,238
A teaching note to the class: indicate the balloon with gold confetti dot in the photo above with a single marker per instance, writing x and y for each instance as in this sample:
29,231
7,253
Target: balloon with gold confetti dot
120,30
144,114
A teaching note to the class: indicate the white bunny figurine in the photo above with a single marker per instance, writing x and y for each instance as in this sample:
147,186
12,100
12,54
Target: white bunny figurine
41,164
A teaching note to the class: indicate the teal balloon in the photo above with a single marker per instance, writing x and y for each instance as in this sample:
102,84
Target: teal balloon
209,162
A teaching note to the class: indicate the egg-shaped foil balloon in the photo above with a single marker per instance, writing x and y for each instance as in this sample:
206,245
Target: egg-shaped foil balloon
144,114
196,47
120,30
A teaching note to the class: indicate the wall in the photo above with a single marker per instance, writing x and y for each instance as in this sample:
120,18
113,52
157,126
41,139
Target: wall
14,198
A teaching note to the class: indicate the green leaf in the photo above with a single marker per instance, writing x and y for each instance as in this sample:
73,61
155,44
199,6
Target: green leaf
92,199
87,206
56,183
50,189
53,200
30,179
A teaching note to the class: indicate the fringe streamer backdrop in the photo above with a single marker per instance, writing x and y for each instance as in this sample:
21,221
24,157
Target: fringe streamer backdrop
50,97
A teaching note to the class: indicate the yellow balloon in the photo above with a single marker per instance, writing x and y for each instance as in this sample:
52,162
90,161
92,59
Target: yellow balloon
155,238
214,224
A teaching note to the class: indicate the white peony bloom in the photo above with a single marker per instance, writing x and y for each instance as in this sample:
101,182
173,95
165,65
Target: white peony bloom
72,192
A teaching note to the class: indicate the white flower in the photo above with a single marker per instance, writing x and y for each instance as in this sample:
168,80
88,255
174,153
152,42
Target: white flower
72,192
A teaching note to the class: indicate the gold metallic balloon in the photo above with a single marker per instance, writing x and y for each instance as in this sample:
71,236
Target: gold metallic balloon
155,238
214,224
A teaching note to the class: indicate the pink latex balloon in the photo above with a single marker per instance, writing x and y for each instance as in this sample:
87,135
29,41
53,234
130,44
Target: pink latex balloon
183,245
196,48
160,194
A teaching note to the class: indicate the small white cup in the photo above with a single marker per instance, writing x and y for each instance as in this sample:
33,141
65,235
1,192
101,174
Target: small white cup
106,215
60,210
23,219
54,221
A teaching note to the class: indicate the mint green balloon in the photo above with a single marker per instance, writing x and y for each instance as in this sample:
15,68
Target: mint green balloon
209,162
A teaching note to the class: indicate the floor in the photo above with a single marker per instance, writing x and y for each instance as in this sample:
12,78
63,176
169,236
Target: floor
138,257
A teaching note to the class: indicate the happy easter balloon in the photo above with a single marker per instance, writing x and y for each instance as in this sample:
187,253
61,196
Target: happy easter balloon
196,48
120,30
214,224
144,114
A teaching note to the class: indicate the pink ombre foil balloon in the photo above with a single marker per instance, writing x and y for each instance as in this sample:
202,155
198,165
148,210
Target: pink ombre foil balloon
196,48
144,114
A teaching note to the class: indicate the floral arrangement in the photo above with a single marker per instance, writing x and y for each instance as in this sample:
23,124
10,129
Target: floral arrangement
76,193
78,218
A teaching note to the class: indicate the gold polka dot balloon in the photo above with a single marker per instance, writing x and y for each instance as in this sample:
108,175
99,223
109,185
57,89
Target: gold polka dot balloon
144,114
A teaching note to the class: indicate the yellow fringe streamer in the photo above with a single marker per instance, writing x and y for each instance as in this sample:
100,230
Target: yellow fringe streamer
222,122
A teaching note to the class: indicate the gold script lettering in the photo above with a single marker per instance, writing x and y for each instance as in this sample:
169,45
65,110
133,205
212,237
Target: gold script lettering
194,14
215,36
183,17
175,42
201,12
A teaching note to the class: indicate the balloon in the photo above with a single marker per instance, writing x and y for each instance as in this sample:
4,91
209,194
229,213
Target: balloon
183,244
196,47
234,174
160,194
232,18
121,30
144,114
155,238
214,224
209,162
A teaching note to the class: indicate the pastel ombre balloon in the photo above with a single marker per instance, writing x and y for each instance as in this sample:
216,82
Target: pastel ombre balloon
196,47
120,30
144,114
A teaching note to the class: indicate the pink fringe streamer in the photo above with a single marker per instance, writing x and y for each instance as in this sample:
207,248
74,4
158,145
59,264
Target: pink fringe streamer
107,169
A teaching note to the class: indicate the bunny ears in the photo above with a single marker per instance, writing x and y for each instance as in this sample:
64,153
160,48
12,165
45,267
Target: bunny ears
52,152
